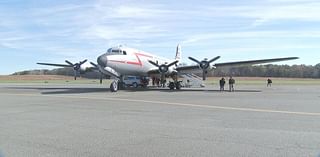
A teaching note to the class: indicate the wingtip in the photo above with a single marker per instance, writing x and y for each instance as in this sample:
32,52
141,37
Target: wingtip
293,58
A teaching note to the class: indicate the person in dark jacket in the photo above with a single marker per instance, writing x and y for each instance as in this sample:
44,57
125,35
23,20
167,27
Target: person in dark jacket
222,82
231,84
269,82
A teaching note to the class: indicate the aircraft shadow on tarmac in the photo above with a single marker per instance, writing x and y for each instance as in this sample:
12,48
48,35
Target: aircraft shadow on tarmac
81,90
64,90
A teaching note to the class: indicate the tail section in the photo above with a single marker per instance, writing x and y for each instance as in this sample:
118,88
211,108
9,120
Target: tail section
178,53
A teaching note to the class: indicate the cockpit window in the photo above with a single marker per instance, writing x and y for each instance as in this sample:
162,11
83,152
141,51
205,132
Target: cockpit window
116,51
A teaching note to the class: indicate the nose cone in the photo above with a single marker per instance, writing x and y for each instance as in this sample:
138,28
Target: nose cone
102,60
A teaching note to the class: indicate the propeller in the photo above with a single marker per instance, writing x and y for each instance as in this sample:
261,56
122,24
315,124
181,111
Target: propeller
76,67
101,74
204,65
163,68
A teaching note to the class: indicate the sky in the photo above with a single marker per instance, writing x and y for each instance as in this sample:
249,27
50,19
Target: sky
34,31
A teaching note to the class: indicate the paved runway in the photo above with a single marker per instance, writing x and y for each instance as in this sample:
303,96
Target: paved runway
87,120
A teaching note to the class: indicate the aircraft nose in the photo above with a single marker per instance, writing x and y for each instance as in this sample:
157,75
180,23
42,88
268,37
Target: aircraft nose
102,60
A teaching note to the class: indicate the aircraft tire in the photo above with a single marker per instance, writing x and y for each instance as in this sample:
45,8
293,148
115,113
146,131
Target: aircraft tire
178,85
114,86
171,85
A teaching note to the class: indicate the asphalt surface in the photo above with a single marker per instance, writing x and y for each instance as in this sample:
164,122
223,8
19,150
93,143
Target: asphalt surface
87,120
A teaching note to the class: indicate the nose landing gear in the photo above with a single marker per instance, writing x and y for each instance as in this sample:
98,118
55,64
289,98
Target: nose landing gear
114,86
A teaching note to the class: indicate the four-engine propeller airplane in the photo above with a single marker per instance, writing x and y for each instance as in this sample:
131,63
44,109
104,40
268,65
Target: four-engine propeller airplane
123,61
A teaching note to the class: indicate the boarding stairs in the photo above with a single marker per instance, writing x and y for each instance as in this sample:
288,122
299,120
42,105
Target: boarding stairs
194,80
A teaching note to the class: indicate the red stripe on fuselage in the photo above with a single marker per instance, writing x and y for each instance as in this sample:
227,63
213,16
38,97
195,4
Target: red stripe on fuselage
138,58
139,63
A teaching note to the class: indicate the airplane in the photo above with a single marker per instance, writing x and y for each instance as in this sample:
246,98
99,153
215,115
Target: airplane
121,61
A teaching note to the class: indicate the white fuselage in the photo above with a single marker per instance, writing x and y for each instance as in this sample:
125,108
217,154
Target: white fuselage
129,61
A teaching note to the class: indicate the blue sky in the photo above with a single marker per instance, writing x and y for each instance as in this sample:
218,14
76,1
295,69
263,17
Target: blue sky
51,30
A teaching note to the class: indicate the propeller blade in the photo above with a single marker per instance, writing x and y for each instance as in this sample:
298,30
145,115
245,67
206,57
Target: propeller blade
101,74
173,63
194,60
93,64
69,63
83,62
214,59
153,63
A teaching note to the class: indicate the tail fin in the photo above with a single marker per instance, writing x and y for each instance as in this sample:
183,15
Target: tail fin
178,53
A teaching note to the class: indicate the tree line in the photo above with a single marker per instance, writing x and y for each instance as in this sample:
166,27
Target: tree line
270,70
59,71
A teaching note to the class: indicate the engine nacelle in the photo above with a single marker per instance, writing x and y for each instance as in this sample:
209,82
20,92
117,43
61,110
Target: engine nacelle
85,68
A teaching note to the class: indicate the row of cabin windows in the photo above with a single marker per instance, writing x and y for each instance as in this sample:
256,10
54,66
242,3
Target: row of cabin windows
116,51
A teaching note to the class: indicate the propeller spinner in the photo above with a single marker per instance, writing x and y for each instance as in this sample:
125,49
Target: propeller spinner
76,67
163,68
204,65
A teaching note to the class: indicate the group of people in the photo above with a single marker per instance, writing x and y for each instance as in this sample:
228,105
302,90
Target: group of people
157,82
222,82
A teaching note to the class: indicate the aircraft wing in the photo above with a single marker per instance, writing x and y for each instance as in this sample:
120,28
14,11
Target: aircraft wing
234,64
57,65
187,68
253,62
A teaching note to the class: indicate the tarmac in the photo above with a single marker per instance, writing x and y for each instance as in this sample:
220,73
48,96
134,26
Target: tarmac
50,120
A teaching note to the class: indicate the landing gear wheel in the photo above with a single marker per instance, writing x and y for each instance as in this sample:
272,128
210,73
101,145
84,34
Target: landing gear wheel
178,85
114,86
171,85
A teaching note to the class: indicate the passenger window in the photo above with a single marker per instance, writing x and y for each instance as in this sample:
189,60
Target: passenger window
124,53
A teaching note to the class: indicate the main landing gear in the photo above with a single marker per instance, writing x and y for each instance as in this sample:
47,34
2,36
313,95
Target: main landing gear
118,84
175,85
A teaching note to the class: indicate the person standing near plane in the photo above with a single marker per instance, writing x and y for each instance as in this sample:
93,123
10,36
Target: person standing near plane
231,84
157,82
269,82
222,82
153,81
163,83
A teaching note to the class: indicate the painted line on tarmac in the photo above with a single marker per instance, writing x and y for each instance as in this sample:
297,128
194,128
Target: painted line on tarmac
173,103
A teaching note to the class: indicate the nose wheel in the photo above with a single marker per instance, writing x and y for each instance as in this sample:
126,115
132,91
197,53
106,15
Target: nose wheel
114,86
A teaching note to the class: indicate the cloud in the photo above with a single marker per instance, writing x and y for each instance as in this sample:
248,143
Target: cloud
251,34
297,12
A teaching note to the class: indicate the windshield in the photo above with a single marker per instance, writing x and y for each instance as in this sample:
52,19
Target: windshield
116,51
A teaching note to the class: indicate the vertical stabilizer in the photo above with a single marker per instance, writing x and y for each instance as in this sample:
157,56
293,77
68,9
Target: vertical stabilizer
178,53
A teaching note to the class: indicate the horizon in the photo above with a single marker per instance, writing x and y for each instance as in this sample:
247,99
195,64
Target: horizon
54,31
